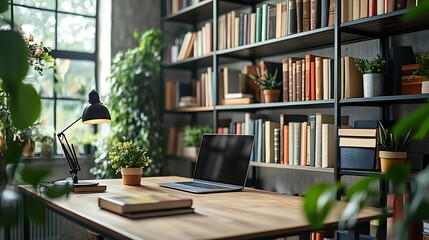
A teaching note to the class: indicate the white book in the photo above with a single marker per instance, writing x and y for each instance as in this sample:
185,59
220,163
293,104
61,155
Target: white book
252,28
291,133
380,7
326,79
328,147
296,143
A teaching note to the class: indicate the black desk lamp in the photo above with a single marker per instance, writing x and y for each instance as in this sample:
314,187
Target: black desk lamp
94,113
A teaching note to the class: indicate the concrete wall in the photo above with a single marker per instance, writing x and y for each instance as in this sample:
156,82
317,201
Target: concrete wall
129,16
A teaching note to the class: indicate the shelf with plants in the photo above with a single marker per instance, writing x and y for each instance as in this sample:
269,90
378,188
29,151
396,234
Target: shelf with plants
299,104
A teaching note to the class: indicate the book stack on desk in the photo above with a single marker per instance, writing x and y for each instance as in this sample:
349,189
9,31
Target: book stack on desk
146,205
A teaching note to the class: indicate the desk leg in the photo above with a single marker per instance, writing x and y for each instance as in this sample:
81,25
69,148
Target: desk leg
26,220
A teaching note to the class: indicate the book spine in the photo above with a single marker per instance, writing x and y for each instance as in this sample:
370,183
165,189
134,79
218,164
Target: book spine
312,122
380,7
241,30
304,82
314,14
318,145
252,28
290,80
294,85
306,15
324,13
372,8
296,143
276,144
298,70
325,79
264,22
272,18
356,9
303,147
282,136
258,31
331,13
285,68
363,9
291,143
299,16
291,17
319,78
285,144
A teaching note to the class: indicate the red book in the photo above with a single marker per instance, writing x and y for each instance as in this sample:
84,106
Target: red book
310,77
372,8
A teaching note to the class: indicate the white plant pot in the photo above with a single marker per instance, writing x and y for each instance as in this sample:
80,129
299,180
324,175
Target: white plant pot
190,152
373,84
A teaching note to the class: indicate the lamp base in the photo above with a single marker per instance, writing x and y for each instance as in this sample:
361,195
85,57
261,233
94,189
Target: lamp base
78,184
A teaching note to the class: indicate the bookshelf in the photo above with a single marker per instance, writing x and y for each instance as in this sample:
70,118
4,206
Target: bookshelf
380,27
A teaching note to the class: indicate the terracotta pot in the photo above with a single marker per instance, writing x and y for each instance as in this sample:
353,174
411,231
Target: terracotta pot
271,95
388,159
131,176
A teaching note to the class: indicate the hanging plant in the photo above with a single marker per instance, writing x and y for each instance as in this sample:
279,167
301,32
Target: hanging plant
134,101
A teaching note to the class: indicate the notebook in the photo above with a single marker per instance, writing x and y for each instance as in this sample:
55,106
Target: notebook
222,164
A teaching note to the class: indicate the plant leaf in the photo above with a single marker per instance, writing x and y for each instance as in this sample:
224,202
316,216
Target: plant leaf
418,119
32,176
318,202
421,10
4,6
25,106
13,152
58,190
13,60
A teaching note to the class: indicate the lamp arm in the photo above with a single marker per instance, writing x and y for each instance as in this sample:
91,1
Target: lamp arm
69,152
70,125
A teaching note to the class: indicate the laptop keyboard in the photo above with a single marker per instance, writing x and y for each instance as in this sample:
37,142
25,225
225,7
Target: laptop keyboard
201,185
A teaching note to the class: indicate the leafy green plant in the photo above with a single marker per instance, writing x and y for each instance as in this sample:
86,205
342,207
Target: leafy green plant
375,65
387,141
133,102
128,155
20,107
266,80
423,60
193,135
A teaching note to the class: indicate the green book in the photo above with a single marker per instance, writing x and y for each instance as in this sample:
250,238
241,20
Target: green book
264,22
258,23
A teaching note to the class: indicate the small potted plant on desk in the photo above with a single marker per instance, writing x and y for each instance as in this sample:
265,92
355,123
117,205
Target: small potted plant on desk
373,75
192,139
269,85
392,148
129,159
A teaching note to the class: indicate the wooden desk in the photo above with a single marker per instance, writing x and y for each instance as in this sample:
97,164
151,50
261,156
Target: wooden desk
235,215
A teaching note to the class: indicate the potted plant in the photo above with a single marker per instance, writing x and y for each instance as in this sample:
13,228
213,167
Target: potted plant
269,85
192,139
392,148
373,75
129,159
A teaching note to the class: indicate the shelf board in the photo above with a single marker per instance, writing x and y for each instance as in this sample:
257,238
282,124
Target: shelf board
285,166
191,63
307,104
203,11
360,173
385,100
191,109
292,43
388,24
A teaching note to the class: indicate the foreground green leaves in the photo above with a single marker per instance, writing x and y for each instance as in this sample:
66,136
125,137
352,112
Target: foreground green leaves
13,60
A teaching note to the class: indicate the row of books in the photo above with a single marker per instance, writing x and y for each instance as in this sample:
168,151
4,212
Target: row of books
273,21
293,140
194,44
174,6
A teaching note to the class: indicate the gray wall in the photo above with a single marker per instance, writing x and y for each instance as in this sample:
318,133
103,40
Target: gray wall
129,16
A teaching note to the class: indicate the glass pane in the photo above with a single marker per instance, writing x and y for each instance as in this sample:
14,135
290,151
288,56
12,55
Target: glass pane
47,4
43,84
4,19
86,7
41,24
76,78
76,33
67,112
45,126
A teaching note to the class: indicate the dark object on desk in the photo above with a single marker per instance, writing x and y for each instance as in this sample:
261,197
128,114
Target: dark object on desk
222,165
145,205
159,213
94,113
89,189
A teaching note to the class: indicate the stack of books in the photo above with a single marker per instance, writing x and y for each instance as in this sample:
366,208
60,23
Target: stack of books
146,205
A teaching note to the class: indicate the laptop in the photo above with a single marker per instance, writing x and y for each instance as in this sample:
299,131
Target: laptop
222,165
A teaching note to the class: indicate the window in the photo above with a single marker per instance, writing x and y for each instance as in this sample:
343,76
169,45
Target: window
69,28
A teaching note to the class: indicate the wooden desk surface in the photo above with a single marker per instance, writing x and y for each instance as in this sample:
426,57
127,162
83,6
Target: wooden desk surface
235,215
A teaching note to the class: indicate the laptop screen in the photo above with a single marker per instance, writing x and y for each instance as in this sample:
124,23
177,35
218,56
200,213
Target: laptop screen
224,158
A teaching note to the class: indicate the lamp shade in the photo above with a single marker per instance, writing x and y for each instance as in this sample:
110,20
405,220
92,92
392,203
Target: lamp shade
95,112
